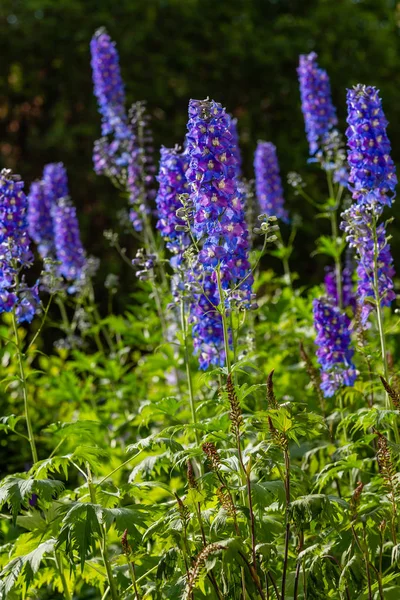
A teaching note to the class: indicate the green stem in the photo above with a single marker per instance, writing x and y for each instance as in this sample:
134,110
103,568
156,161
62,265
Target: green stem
189,374
46,310
381,330
60,566
224,321
24,389
338,266
287,533
103,546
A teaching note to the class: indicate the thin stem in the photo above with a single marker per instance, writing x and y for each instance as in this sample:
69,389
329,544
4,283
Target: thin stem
338,266
381,330
298,566
60,567
133,577
46,310
103,545
287,533
24,389
118,468
224,321
188,373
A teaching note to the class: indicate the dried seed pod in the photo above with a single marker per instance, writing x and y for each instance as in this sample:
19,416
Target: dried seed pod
211,452
272,401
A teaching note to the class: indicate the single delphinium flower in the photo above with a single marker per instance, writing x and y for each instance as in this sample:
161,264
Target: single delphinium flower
316,101
372,171
69,249
40,222
334,354
269,189
172,184
108,85
15,254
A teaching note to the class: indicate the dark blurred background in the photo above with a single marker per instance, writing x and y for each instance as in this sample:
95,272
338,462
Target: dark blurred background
243,53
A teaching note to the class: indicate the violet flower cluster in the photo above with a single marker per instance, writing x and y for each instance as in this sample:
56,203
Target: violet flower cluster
53,224
373,182
40,222
15,254
69,249
316,101
108,85
372,171
334,354
123,154
172,183
348,296
269,189
370,241
219,225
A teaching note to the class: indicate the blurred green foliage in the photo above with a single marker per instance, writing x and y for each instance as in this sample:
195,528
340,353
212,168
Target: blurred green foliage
242,53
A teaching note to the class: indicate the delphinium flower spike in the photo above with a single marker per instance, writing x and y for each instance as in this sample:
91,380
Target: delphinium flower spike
15,254
219,225
335,355
268,181
108,84
373,184
40,222
172,184
373,254
316,102
372,171
67,238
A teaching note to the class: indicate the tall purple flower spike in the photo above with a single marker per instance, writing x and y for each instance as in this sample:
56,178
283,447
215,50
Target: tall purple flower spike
334,354
108,85
172,183
316,101
372,171
15,254
219,224
67,238
269,189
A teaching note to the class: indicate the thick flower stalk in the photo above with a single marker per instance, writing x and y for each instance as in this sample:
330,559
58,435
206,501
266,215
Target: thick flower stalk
15,254
372,171
172,183
69,249
108,85
334,354
316,102
269,189
222,270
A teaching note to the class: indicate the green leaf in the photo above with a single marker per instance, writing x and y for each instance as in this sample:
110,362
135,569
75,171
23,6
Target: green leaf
24,566
17,491
81,528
